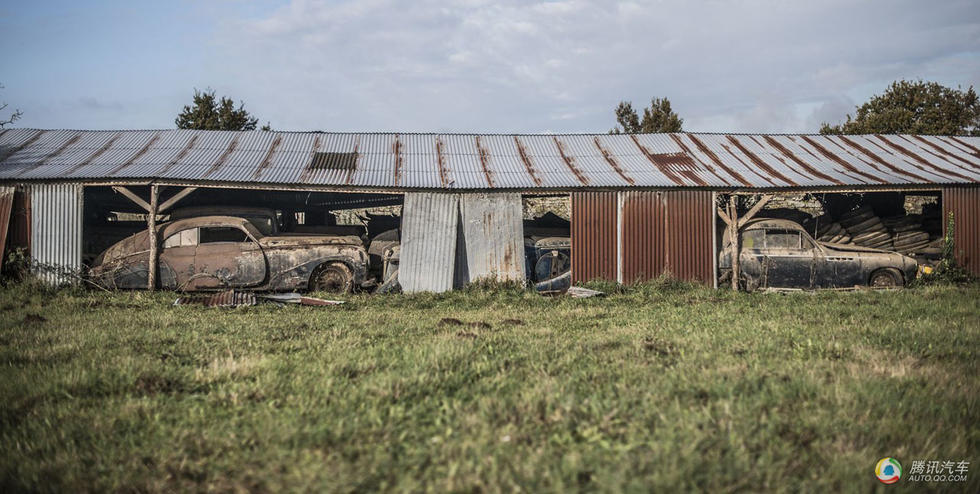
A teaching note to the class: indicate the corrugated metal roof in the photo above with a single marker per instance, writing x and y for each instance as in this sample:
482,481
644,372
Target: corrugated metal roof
491,161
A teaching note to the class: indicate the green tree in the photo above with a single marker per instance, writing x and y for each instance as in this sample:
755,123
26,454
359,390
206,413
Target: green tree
13,117
659,117
211,113
916,107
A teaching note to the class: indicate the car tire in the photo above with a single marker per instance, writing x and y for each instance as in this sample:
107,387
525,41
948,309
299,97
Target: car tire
332,277
885,278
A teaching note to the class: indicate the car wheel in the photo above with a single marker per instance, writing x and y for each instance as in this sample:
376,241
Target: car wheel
334,277
885,278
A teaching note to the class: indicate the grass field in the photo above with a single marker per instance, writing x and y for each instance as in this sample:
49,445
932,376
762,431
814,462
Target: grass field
663,387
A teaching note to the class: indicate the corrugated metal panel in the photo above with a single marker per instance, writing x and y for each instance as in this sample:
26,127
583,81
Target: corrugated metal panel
428,244
493,233
643,248
594,231
19,232
690,216
6,205
964,203
493,161
56,228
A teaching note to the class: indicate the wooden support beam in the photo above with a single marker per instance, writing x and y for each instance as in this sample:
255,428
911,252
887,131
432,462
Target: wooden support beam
177,197
755,210
733,233
133,197
151,223
724,217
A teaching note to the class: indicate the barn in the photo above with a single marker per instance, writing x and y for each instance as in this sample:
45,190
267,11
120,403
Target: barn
639,205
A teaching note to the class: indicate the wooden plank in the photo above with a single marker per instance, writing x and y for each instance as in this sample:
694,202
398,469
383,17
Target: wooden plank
177,197
151,222
133,197
755,210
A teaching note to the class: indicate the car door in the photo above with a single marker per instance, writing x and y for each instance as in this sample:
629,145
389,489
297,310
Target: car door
177,258
227,257
788,263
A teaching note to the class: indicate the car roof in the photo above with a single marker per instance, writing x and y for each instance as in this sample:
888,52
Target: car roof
762,223
206,221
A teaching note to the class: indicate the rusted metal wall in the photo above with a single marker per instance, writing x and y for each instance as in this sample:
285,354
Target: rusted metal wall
690,216
964,203
56,230
594,236
666,231
493,237
643,247
428,244
6,205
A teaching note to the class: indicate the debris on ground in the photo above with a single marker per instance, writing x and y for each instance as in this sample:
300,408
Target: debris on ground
579,292
233,298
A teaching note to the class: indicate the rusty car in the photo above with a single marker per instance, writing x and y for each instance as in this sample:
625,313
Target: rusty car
222,252
778,253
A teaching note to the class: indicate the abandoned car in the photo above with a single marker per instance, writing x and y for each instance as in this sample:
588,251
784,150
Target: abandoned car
777,253
221,252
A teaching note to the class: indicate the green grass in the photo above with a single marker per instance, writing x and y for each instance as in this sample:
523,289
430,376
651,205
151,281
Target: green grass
663,387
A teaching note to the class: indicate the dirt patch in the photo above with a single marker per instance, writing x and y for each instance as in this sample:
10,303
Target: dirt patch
512,322
466,335
450,321
151,384
480,325
34,319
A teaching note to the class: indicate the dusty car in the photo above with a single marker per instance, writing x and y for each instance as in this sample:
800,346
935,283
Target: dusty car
221,252
777,253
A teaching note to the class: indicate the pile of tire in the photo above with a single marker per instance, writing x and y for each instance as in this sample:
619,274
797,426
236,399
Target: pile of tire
908,234
866,228
831,231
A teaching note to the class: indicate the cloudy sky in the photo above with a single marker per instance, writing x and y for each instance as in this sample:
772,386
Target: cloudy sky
474,65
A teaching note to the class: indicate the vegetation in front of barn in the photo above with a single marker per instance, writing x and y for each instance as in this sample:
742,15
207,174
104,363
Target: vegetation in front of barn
658,385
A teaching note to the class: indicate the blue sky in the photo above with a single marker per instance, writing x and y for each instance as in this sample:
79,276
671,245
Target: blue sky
474,65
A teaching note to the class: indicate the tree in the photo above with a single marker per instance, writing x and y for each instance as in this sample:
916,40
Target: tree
915,108
658,118
13,116
210,113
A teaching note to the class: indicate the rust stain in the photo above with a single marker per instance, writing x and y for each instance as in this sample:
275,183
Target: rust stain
569,162
659,163
96,154
54,153
877,159
308,170
442,162
746,165
714,157
943,151
141,152
183,152
224,156
806,166
484,161
23,145
612,161
268,157
973,150
840,161
922,160
397,149
759,162
527,161
357,156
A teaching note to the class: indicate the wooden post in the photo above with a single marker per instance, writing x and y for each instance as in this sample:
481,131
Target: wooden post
733,232
151,222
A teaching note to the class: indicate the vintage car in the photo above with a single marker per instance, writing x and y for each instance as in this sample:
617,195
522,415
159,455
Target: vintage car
222,252
777,253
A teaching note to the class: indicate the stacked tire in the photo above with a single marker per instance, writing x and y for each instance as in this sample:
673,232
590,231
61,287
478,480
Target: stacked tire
866,228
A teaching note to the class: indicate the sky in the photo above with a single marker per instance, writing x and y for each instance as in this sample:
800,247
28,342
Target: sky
473,65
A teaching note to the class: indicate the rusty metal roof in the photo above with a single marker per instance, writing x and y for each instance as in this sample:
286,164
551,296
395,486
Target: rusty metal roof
489,161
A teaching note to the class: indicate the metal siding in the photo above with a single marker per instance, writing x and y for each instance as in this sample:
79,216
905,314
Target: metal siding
507,161
56,230
964,203
594,231
493,229
6,205
428,244
643,250
690,216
